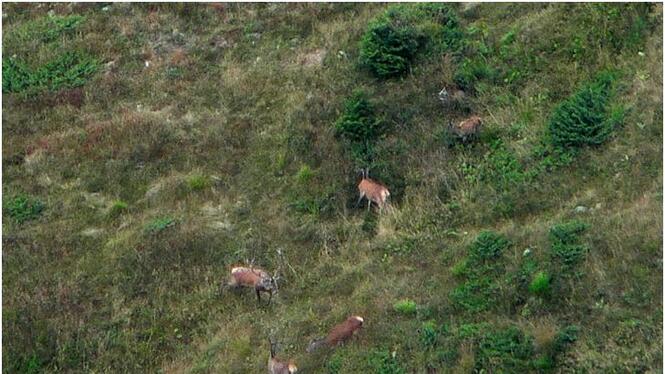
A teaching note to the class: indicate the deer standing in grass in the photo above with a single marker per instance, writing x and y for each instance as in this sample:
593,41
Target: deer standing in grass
277,366
338,334
260,280
467,129
373,191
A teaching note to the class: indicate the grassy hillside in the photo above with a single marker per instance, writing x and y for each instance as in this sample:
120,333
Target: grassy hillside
148,148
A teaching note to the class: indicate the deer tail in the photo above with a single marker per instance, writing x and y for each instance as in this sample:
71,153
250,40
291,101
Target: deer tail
316,344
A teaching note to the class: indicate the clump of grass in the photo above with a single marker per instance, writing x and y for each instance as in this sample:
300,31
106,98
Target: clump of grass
119,207
22,208
476,294
359,126
540,284
46,29
405,307
159,224
198,182
16,76
305,174
584,118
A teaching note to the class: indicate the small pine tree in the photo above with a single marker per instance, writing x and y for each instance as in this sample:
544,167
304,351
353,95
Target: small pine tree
583,119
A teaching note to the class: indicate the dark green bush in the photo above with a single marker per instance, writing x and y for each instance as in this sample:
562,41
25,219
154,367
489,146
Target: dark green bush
359,126
383,362
16,77
22,208
56,26
585,118
565,242
429,334
488,245
472,70
387,50
392,41
71,69
159,224
475,295
504,351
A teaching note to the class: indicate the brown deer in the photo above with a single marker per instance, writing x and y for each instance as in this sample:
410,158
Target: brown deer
373,191
338,335
277,366
260,280
467,129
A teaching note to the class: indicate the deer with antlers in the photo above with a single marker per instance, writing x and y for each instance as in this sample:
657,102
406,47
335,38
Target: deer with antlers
252,277
467,129
277,366
372,190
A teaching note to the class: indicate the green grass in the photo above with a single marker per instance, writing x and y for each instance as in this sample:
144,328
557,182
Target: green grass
405,307
224,147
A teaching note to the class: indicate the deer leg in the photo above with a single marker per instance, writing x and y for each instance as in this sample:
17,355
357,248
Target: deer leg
269,298
369,204
258,296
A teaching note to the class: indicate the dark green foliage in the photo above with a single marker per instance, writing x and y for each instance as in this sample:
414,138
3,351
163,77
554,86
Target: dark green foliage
359,126
540,285
56,26
565,245
382,362
387,50
475,295
159,224
584,118
22,208
15,76
392,41
472,70
501,167
429,333
71,69
488,245
504,351
564,338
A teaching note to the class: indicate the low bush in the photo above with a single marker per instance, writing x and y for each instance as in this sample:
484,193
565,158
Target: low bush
565,242
393,40
405,307
359,126
21,208
475,295
69,70
504,351
585,118
429,334
488,245
383,362
159,224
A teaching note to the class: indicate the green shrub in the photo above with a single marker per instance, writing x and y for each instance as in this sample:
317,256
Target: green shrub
387,50
16,77
22,208
198,182
540,285
584,118
383,362
159,224
564,239
359,126
392,41
405,307
475,295
69,70
567,336
429,334
488,245
504,351
55,26
119,207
